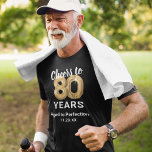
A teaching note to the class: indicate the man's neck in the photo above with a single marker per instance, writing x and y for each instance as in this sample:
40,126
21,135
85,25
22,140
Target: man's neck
73,47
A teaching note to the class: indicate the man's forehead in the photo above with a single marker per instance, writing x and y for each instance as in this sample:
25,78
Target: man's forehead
58,13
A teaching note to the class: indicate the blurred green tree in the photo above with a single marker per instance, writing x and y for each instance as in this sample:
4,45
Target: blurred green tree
21,26
106,20
138,24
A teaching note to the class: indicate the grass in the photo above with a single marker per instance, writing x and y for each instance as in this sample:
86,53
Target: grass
139,65
19,101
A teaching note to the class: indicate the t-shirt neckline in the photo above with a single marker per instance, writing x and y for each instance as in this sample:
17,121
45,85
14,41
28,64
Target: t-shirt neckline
73,54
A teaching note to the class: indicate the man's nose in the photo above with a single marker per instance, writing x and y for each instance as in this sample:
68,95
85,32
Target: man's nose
52,25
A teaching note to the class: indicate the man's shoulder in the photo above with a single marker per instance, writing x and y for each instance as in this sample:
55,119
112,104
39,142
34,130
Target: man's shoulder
46,61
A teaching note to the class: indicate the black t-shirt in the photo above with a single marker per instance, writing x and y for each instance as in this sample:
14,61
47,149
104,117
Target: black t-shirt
74,99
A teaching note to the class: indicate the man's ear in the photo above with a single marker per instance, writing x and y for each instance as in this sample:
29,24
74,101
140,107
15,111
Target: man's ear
80,20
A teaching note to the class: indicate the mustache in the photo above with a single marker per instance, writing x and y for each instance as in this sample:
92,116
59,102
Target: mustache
57,31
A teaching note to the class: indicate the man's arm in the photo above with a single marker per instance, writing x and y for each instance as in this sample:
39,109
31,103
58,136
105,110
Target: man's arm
135,112
42,123
42,118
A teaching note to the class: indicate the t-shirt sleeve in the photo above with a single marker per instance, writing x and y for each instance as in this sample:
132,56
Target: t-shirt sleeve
130,92
41,87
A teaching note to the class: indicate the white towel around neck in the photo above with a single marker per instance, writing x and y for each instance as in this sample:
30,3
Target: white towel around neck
111,73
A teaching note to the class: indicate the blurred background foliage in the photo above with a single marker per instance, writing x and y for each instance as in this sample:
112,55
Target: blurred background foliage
123,25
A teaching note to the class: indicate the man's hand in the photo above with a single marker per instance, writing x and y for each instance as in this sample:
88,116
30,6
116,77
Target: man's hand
93,137
38,146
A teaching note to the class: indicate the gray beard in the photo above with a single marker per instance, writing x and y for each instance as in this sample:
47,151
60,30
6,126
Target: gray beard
67,37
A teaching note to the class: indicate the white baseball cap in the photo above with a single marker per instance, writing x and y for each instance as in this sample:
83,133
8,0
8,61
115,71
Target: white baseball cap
60,5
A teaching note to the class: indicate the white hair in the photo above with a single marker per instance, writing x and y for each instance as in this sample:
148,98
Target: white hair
75,15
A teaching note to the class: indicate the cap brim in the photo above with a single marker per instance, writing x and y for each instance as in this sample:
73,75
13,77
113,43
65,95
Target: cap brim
44,9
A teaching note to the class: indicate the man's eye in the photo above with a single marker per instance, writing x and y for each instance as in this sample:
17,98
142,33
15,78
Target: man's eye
60,19
48,20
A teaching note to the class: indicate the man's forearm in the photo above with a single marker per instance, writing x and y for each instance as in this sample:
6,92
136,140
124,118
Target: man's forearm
135,112
42,118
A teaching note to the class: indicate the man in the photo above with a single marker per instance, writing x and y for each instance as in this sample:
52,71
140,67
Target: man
73,114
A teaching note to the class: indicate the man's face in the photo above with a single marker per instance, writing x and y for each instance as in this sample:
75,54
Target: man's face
61,28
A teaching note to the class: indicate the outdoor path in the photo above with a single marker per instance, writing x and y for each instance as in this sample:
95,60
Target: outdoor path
12,56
